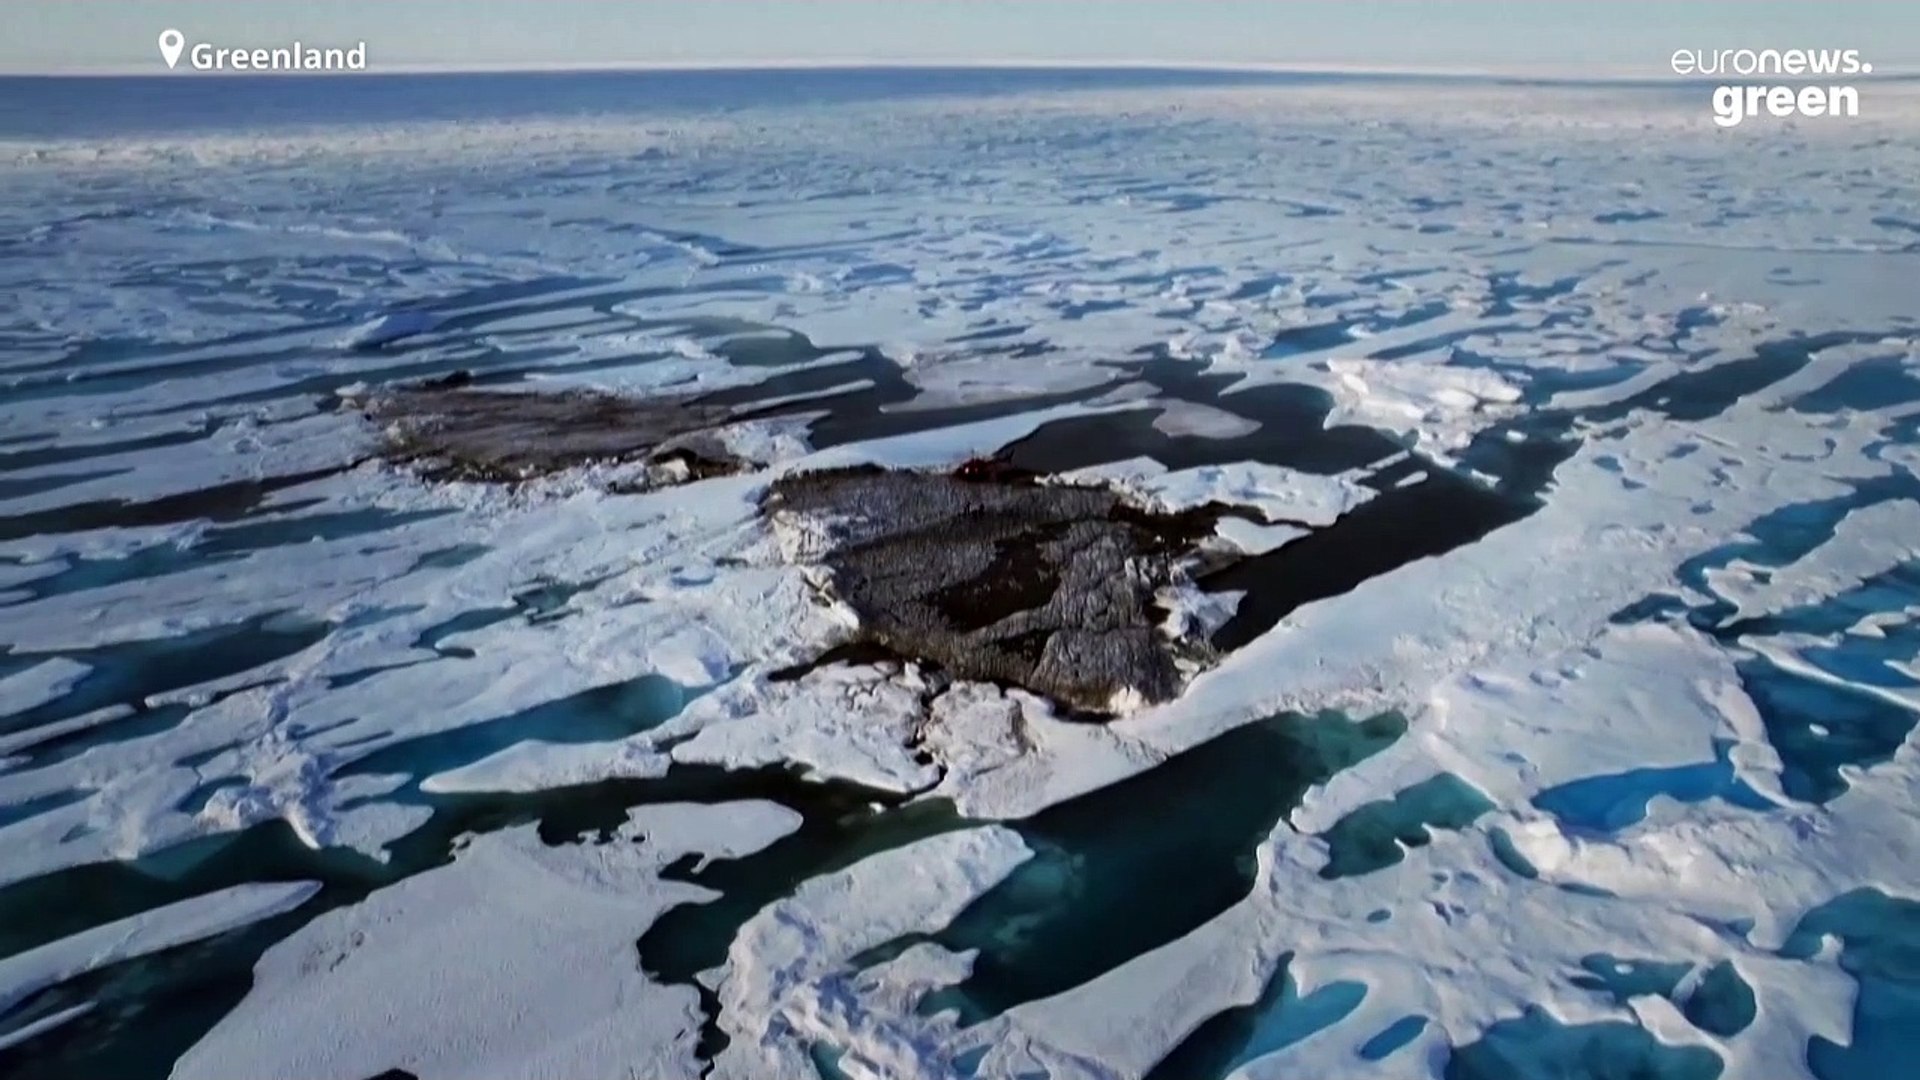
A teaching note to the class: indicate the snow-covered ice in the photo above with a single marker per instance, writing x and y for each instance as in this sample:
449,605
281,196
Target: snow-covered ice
508,962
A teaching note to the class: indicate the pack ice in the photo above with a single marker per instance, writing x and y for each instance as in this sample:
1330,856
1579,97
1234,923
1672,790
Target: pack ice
1043,574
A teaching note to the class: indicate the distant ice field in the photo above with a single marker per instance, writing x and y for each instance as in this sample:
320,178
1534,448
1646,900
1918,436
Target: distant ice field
1563,718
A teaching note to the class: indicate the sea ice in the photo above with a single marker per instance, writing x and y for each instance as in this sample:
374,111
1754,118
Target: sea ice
1688,395
27,973
495,965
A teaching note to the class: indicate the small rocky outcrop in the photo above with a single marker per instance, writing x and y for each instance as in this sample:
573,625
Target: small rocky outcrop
448,430
994,575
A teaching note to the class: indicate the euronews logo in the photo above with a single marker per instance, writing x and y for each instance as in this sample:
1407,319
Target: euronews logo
1734,103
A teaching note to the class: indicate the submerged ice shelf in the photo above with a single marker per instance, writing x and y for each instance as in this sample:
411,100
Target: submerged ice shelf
1520,557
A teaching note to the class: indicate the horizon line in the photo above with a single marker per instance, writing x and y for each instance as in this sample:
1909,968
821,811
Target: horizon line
1540,72
858,63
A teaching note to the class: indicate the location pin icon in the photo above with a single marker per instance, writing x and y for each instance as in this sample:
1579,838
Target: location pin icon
171,42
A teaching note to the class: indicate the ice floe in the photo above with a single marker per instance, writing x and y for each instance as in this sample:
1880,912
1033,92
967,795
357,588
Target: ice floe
495,965
24,974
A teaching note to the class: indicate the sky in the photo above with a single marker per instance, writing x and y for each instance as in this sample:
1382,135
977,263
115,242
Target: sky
1573,37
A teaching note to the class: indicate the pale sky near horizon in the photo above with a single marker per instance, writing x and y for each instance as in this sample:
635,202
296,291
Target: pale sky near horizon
1575,36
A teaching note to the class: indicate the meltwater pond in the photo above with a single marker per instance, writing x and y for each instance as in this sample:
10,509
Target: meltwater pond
1528,582
1060,920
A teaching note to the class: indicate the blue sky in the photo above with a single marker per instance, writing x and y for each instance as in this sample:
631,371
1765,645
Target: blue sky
1574,36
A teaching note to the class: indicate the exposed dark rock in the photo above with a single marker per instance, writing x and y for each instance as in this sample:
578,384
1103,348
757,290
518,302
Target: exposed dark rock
989,572
452,432
452,380
993,575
